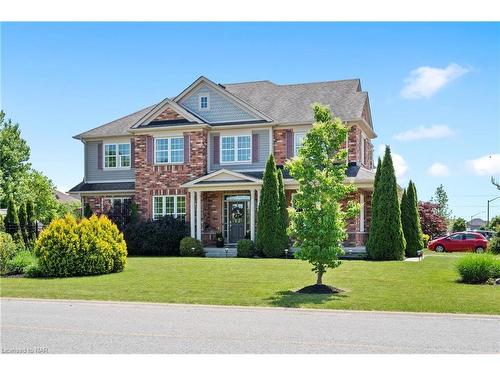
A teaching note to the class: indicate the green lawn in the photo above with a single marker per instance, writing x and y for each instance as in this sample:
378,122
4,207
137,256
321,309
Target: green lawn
429,285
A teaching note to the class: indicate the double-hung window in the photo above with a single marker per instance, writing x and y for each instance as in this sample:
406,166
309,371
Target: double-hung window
298,140
117,155
173,205
204,102
236,149
169,150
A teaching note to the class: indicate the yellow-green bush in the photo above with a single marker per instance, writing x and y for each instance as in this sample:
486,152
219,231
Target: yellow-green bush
91,247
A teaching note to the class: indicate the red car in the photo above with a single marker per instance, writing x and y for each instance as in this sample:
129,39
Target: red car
461,241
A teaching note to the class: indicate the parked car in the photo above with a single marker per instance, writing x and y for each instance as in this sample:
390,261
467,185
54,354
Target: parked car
488,234
461,241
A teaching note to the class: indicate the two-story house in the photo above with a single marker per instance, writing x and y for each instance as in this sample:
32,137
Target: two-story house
201,155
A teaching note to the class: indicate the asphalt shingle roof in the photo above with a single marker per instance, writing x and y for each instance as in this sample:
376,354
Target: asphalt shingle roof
103,186
283,103
292,103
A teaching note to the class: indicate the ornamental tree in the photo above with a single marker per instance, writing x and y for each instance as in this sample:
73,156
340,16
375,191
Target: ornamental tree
318,222
411,222
386,240
268,240
433,224
459,225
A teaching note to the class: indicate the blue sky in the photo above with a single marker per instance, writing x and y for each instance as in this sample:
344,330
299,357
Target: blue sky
434,87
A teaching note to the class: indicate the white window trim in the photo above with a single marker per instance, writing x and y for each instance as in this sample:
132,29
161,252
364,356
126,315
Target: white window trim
169,150
208,102
362,155
164,206
236,136
295,134
118,159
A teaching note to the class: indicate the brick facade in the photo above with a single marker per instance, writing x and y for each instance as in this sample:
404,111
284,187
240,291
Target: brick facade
153,179
280,146
168,114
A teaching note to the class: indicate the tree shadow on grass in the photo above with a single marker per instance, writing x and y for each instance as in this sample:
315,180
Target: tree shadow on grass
287,298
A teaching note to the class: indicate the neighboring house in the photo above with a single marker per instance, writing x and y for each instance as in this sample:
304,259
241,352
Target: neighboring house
201,155
476,223
65,198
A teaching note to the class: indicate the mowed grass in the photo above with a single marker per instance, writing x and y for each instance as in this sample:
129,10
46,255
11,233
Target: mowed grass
430,285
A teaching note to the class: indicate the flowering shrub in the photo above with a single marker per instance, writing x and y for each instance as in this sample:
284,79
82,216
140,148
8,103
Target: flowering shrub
92,247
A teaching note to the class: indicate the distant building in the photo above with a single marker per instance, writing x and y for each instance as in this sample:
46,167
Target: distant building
65,198
476,223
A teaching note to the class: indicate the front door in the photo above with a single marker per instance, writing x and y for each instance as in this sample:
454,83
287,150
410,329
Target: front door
237,215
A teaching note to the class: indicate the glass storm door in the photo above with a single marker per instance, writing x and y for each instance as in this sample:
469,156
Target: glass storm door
237,215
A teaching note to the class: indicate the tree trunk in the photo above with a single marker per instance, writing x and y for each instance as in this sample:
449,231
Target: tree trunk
319,280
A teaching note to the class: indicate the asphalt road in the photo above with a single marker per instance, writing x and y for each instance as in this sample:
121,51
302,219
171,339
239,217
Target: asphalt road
109,327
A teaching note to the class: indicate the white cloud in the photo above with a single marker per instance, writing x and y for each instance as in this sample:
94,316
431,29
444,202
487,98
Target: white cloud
488,165
425,81
423,132
439,170
400,165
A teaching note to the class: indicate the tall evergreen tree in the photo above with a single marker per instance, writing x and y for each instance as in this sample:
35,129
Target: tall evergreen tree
23,222
282,213
375,213
30,218
411,221
268,241
386,241
87,211
12,222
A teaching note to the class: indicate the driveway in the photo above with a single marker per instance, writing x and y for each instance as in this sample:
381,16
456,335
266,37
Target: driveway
114,327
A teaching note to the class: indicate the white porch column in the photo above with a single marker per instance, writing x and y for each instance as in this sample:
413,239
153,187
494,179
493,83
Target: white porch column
258,197
191,212
362,213
198,215
252,214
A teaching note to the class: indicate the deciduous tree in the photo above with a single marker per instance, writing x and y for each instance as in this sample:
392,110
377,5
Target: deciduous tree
433,224
318,222
459,225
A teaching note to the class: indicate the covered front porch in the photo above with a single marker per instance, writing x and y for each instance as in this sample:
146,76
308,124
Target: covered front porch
226,202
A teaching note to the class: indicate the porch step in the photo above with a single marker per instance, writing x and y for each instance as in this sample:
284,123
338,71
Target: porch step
220,252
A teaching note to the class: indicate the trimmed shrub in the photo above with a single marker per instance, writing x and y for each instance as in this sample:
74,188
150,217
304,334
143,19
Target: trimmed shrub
8,249
411,221
20,262
87,211
245,249
155,238
494,245
425,239
283,219
478,268
92,247
2,227
190,247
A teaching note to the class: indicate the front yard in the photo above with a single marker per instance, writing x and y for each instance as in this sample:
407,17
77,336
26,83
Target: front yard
428,286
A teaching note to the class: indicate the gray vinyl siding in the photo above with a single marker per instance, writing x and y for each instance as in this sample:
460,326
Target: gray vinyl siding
220,109
92,173
263,152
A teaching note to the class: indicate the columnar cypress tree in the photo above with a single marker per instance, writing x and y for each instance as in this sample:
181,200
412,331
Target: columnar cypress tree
30,218
282,212
386,241
12,222
23,222
412,228
268,240
375,214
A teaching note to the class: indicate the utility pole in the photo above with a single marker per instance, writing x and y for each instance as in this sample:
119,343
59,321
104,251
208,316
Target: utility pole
488,210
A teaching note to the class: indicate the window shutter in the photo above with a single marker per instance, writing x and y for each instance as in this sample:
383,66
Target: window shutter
149,149
216,150
289,143
132,153
186,148
255,148
99,155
